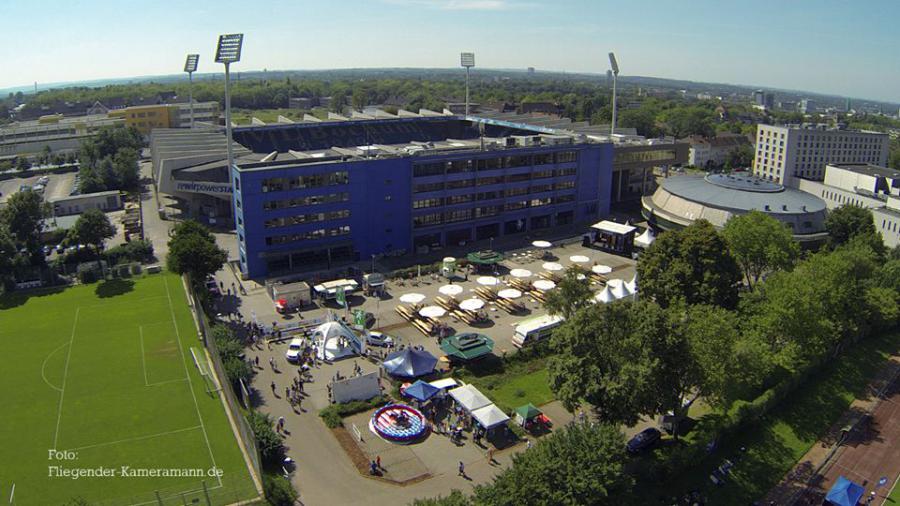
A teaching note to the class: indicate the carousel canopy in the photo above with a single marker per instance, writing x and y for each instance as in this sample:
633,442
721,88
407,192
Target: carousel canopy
467,346
409,363
486,257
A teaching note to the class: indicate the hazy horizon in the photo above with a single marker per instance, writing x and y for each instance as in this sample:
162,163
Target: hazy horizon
829,48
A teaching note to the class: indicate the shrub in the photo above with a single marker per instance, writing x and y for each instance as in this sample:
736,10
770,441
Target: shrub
140,251
279,490
333,415
267,440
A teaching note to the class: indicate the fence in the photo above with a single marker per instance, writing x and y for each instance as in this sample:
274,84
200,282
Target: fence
246,434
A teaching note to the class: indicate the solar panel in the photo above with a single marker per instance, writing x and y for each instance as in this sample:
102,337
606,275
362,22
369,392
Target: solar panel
229,49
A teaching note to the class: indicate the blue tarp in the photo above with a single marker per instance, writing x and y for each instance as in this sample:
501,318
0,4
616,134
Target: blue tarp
421,391
844,493
409,363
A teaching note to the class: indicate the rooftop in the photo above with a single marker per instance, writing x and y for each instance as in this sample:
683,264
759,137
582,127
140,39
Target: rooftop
742,193
868,169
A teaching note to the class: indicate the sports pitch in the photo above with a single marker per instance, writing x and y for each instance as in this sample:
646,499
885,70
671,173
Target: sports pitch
105,373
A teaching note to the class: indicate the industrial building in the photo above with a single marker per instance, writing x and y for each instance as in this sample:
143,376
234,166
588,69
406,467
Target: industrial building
786,154
681,200
61,134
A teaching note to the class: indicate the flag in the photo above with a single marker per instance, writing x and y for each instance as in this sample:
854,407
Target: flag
340,297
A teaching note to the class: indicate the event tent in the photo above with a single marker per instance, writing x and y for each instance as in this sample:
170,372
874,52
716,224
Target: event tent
469,397
421,391
489,416
409,363
526,412
604,295
468,346
334,340
844,493
644,240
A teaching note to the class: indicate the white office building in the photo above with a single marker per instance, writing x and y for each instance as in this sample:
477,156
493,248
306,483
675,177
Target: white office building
786,154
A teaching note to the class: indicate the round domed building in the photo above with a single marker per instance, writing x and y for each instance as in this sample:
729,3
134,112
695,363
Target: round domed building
680,200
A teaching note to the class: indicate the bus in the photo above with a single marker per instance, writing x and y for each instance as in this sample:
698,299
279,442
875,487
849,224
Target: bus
535,329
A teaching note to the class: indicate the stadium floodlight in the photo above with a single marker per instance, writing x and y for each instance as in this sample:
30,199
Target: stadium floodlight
467,60
190,66
227,52
615,69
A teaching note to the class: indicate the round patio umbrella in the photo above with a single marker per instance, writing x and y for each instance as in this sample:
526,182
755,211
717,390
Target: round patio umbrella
412,298
520,273
432,312
488,281
544,284
510,293
601,269
542,244
552,266
579,259
451,290
471,304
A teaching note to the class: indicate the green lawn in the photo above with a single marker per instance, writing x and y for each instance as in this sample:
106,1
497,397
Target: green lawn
776,444
511,386
105,372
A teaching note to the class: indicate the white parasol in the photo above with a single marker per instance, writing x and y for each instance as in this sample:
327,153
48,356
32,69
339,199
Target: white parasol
601,269
412,298
579,259
542,244
520,273
471,304
552,266
544,284
488,281
510,293
451,290
432,312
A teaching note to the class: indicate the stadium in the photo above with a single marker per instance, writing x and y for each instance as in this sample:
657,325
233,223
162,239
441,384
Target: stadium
314,195
681,200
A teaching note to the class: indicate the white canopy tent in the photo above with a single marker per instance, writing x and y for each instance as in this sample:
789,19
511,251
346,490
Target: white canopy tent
604,296
469,398
631,286
335,340
490,416
644,240
618,289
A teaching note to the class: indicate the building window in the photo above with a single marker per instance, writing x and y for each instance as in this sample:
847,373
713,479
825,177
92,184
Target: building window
320,233
425,203
287,221
305,201
300,182
566,156
429,169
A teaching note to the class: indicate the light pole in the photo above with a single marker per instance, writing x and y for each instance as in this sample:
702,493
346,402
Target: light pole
190,66
228,52
373,263
615,69
467,60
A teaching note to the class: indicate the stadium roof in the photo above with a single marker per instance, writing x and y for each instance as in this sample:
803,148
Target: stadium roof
742,193
868,169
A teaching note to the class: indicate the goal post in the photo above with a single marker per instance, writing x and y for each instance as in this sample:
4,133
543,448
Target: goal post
201,362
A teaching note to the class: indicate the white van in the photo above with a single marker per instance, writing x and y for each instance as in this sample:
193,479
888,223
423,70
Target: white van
535,329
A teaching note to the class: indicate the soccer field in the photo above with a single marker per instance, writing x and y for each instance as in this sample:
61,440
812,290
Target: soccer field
103,374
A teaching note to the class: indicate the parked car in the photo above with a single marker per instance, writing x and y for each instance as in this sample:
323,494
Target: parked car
294,350
375,338
643,440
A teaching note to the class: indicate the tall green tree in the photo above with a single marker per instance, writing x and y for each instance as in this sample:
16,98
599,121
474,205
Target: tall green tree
193,251
570,295
23,216
693,265
760,244
92,228
850,221
579,464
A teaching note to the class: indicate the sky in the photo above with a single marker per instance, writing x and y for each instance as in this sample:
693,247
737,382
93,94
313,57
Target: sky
845,47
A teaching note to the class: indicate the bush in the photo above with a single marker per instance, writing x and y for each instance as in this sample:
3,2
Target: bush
333,415
140,251
279,490
267,440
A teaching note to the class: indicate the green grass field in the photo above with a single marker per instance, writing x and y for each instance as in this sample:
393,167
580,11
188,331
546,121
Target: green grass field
105,373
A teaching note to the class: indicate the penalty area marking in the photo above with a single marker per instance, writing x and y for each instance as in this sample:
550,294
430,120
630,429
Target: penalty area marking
138,438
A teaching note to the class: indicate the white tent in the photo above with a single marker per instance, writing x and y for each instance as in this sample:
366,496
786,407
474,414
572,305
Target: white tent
469,398
618,289
335,340
631,286
644,240
604,296
490,416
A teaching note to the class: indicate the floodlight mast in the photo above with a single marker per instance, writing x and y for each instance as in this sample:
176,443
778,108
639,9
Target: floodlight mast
228,52
467,60
615,70
190,66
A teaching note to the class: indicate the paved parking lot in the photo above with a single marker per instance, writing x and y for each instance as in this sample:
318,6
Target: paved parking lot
60,185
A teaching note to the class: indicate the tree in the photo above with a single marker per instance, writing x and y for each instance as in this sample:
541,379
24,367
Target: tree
125,169
570,295
578,464
455,498
22,163
693,265
760,244
279,490
849,221
193,251
641,119
23,216
8,255
92,228
267,440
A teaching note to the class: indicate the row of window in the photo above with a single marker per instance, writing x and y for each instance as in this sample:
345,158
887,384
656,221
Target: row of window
306,201
299,219
655,155
321,233
491,195
427,220
492,180
503,162
278,184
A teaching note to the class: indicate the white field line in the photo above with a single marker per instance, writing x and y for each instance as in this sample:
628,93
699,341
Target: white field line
62,392
138,438
143,360
44,367
129,302
182,492
166,382
190,382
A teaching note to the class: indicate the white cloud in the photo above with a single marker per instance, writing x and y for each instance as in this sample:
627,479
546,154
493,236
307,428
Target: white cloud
458,5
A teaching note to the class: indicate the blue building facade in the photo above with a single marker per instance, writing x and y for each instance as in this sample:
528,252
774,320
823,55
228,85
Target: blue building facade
311,214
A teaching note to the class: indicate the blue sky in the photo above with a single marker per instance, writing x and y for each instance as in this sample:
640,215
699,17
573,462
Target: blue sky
840,47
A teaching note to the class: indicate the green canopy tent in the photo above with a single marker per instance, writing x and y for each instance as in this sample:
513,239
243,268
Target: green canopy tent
486,258
526,413
467,347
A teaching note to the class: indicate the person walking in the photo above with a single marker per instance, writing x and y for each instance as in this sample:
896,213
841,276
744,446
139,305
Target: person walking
378,461
462,470
273,387
490,455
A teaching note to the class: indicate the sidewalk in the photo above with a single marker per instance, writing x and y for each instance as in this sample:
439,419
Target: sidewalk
812,475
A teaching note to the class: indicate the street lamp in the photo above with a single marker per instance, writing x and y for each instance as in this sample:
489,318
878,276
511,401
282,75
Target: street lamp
190,66
615,70
467,60
228,52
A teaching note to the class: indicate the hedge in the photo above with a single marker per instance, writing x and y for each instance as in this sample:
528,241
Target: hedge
333,415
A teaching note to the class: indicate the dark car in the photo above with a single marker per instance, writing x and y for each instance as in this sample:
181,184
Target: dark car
644,439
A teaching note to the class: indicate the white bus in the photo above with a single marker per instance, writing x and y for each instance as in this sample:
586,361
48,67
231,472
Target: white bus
535,329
